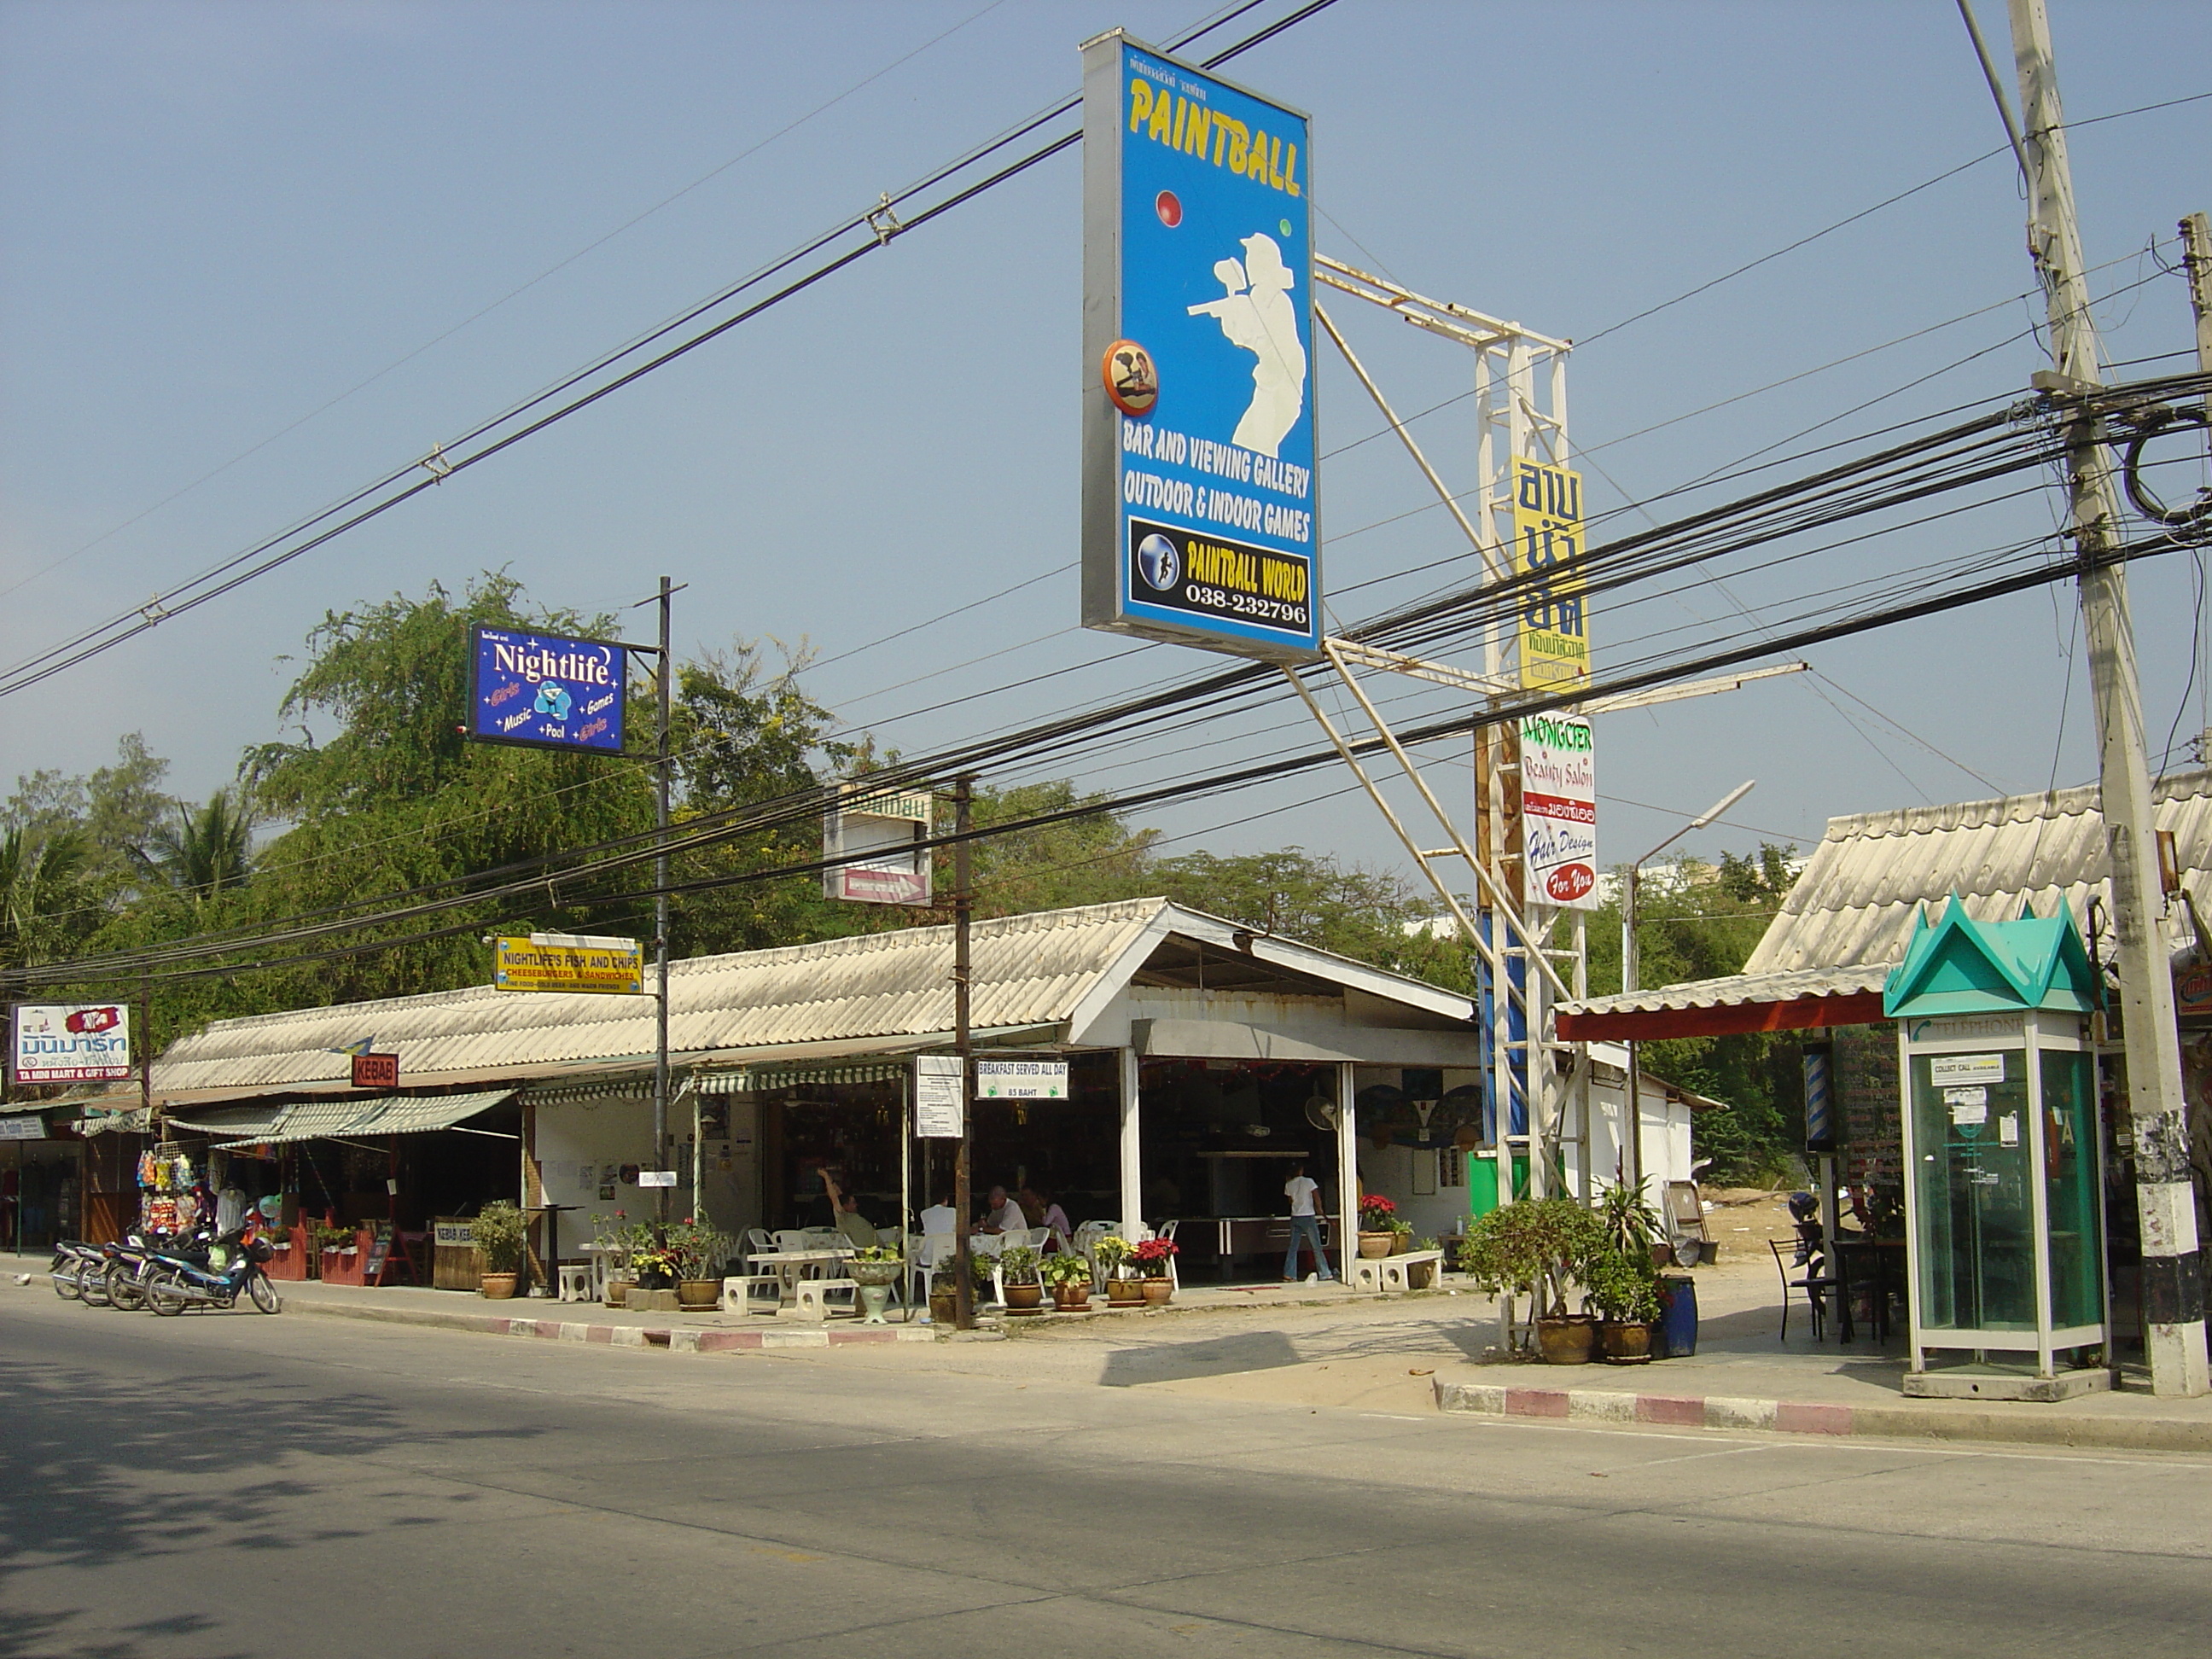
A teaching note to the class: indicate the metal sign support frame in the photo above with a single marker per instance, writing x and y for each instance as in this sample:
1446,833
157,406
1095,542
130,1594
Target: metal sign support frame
1513,419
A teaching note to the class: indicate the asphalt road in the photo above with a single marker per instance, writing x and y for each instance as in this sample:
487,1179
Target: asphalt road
309,1488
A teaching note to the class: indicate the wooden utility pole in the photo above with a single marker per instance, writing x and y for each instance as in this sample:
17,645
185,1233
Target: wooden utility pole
2172,1290
964,910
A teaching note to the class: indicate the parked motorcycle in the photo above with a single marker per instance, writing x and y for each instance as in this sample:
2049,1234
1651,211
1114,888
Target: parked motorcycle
73,1257
234,1268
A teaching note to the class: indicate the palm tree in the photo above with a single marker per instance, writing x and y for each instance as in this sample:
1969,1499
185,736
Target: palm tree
204,850
41,892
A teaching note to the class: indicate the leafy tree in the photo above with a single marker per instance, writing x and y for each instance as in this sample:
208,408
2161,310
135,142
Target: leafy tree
1702,921
46,902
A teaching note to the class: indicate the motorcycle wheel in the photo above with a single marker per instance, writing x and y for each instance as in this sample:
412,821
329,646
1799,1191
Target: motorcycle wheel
65,1281
166,1297
124,1289
92,1284
264,1295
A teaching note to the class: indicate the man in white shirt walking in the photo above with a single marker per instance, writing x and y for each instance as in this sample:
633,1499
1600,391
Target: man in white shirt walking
1304,1194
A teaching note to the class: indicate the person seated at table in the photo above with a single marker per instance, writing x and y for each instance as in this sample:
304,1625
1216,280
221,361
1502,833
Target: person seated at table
939,1217
1004,1215
856,1227
1812,1242
1048,1214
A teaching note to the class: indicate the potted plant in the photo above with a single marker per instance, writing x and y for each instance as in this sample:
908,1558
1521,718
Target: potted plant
1111,1254
1150,1262
875,1268
1631,1226
700,1250
1378,1220
654,1267
1539,1246
498,1230
1069,1276
1625,1289
944,1288
619,1239
1018,1276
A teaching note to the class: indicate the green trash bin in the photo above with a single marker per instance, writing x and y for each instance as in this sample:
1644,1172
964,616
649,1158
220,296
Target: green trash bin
1482,1181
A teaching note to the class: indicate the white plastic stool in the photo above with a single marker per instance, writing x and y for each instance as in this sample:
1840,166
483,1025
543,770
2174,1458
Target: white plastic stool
576,1282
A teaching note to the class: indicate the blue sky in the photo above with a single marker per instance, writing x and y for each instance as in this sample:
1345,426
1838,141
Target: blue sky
293,246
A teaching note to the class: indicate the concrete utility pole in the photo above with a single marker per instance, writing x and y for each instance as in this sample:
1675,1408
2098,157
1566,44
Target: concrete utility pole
2196,263
2173,1280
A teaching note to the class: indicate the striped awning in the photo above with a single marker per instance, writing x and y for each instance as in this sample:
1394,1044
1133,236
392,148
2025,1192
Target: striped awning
753,1079
344,1119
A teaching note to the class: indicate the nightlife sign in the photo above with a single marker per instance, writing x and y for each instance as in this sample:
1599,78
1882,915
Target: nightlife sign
547,691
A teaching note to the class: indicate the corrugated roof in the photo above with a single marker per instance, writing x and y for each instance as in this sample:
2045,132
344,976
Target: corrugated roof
1854,903
1737,989
876,993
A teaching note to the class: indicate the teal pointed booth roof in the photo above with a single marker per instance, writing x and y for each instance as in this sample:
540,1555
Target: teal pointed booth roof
1961,966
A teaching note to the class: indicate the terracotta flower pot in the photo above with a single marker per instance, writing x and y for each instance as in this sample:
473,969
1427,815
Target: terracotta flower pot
1025,1298
498,1287
1373,1246
942,1307
1566,1341
618,1291
1072,1298
1625,1341
699,1295
1124,1293
1157,1291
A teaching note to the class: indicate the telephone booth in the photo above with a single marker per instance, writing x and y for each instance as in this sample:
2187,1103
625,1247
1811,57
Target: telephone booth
2004,1191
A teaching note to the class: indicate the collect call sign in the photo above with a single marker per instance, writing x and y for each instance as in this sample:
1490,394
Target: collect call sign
1198,479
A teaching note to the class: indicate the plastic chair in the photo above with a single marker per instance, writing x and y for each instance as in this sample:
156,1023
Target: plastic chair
1168,1232
791,1238
758,1243
1816,1287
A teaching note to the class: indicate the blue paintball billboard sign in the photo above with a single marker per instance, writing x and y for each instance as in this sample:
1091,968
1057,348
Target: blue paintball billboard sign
546,692
1198,520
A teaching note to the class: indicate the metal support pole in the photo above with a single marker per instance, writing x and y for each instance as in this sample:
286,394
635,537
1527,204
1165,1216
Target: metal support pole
661,763
2172,1281
1630,1171
963,909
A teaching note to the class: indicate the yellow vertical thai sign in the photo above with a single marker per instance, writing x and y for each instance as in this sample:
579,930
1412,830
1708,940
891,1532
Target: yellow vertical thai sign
1547,554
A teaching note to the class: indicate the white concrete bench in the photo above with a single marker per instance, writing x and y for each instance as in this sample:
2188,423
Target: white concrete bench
814,1297
742,1293
1382,1274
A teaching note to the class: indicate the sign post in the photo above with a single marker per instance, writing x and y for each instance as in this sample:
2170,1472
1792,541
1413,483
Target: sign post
1198,454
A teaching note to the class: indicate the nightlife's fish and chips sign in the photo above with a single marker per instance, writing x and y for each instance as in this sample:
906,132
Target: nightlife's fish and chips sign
69,1042
1547,556
1198,521
547,691
569,961
1559,811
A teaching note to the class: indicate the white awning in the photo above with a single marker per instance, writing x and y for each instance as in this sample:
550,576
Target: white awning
335,1120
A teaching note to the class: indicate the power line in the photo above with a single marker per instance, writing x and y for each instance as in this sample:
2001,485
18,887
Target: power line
868,232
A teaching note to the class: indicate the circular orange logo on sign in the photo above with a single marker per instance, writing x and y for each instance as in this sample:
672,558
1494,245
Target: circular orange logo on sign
1132,381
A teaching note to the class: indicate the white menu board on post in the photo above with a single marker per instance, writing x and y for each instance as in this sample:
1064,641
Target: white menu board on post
939,1110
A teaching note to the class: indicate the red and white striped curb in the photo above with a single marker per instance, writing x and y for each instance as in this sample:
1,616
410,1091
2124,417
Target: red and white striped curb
677,1339
2179,1427
1678,1410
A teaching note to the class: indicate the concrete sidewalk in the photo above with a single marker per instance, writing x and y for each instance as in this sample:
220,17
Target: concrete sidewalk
1745,1376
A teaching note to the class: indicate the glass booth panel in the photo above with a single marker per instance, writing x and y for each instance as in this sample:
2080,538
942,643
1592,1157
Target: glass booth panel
2070,1163
1975,1209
